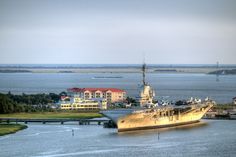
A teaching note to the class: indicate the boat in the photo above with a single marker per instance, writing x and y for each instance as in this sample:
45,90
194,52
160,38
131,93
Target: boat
107,77
150,115
232,116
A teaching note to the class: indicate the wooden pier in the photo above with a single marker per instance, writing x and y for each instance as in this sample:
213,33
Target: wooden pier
61,121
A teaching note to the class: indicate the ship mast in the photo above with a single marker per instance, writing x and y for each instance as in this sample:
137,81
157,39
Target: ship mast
144,70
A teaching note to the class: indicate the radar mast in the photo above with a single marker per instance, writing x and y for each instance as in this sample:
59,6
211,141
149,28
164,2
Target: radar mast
144,70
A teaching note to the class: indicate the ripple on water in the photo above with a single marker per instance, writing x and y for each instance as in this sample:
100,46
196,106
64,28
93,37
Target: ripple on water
77,153
214,139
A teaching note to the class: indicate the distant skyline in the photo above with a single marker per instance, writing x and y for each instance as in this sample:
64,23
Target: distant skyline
117,32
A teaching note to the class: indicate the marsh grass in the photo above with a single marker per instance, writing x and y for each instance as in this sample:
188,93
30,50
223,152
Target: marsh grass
51,115
10,128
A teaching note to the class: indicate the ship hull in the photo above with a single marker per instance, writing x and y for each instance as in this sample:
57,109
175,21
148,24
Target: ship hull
157,126
162,117
114,115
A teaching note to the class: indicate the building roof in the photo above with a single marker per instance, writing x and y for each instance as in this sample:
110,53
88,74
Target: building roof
94,89
64,97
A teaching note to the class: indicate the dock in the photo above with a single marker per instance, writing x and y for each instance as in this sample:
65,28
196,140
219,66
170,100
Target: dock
61,121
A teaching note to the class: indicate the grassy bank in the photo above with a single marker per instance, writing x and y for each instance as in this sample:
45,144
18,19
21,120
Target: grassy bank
224,107
48,115
10,128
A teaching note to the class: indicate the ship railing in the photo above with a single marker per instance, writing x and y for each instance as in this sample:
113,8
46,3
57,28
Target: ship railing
156,109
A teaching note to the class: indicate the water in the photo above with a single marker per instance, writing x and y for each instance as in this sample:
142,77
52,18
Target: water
210,138
167,86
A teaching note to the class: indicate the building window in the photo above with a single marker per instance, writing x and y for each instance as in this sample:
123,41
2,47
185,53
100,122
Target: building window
108,95
98,95
86,95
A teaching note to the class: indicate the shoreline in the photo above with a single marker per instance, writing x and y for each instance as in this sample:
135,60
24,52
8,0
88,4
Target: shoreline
6,129
111,70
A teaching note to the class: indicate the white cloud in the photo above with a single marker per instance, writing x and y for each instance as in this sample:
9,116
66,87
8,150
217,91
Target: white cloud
119,36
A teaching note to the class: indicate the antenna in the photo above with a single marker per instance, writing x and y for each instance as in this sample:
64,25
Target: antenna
144,55
217,72
144,69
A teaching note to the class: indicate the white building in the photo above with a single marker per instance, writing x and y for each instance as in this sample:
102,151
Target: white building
77,103
234,100
110,94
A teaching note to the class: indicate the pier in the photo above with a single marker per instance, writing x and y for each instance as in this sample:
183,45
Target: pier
61,121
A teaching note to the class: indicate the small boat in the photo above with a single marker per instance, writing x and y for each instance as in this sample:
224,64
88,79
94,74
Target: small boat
232,115
107,77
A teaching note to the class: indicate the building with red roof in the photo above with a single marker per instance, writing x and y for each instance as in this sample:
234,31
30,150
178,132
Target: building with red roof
110,94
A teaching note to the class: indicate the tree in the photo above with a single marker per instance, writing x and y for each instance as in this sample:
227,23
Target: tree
130,100
6,104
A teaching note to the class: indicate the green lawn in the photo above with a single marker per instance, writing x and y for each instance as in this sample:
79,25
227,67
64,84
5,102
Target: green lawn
10,128
224,107
48,115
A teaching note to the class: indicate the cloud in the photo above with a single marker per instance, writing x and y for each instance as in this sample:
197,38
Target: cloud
117,32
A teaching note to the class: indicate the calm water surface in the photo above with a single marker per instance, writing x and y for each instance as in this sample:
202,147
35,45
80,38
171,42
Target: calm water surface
210,138
167,86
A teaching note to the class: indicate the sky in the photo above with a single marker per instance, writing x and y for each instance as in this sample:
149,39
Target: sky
117,31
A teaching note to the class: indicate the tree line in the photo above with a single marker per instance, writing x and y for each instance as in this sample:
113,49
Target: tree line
10,103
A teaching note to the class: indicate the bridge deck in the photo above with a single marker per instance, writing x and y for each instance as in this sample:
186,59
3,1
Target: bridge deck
57,120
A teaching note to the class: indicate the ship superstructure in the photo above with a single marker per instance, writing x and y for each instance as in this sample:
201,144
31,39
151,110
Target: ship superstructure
146,92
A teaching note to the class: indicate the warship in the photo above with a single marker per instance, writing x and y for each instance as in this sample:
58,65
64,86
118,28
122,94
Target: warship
150,115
